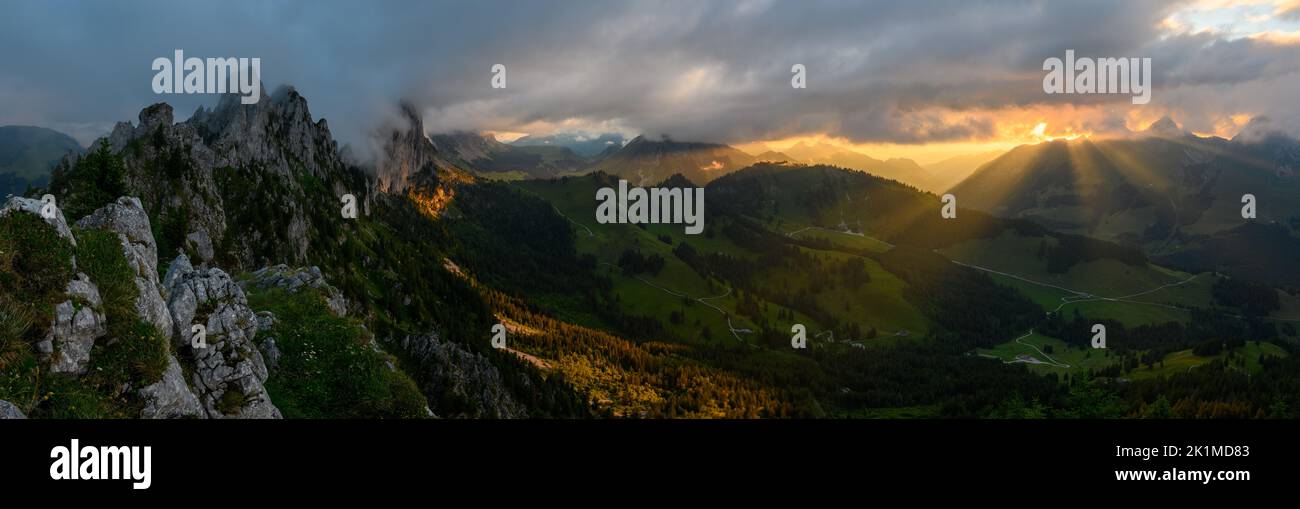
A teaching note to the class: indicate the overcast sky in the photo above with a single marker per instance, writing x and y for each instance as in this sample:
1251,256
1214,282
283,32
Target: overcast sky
878,72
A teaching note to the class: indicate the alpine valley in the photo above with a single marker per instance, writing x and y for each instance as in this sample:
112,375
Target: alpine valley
230,220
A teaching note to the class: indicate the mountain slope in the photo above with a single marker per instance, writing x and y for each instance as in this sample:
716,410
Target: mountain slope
773,156
903,170
245,186
1165,190
234,176
409,159
485,156
951,171
645,162
777,241
27,154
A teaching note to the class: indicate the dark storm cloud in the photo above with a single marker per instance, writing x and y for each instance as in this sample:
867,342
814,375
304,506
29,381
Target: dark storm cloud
877,71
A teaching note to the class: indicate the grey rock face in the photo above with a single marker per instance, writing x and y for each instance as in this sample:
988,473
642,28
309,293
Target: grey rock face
406,153
275,140
128,219
201,244
408,157
196,191
170,397
470,376
271,354
265,320
10,411
80,289
181,265
78,322
294,280
229,371
152,118
32,206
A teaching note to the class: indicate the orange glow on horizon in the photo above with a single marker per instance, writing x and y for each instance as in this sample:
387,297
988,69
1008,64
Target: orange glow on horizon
1010,128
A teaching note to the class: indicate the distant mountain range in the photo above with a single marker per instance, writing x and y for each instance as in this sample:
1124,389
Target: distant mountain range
1172,193
773,156
645,161
27,154
902,170
641,161
581,144
485,155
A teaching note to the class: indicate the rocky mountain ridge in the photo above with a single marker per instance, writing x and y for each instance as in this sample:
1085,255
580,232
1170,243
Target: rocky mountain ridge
409,158
196,175
254,191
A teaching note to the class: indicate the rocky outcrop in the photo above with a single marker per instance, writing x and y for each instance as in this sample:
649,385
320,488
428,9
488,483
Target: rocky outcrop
205,172
78,322
406,152
170,397
200,244
464,375
293,280
31,206
271,353
277,133
157,143
179,267
128,219
265,320
10,411
229,371
409,158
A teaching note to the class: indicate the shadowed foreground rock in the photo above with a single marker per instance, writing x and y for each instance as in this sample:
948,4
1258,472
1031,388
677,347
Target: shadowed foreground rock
78,322
10,411
463,375
229,372
127,218
295,280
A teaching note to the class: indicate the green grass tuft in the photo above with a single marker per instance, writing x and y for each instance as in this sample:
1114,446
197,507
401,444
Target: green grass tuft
35,264
232,401
138,356
99,255
326,368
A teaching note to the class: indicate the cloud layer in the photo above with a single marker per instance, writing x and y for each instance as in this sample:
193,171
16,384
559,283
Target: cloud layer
878,72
